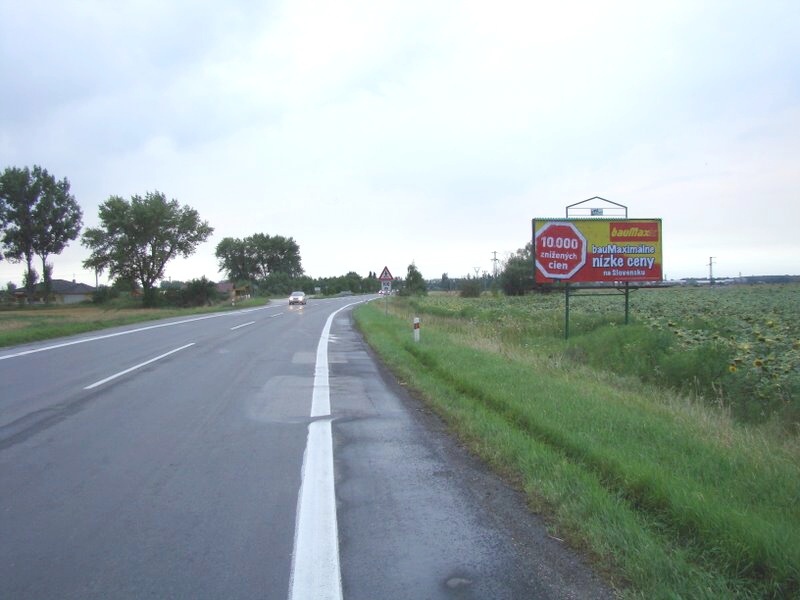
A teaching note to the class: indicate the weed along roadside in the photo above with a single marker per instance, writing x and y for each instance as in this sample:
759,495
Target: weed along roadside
670,495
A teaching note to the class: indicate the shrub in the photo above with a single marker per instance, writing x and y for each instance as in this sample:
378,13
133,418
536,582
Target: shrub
471,288
652,356
200,292
105,294
696,371
414,283
628,350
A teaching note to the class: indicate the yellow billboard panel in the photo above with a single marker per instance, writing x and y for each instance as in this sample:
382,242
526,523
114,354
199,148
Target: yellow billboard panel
597,250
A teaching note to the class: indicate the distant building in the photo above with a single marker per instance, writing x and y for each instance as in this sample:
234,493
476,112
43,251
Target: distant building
61,292
226,289
229,290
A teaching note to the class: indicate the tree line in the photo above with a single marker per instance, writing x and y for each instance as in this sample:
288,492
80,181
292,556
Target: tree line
516,278
138,237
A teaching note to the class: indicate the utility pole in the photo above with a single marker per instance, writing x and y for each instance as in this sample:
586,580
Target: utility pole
494,261
711,270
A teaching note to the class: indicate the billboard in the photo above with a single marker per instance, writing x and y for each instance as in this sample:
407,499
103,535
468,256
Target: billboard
597,250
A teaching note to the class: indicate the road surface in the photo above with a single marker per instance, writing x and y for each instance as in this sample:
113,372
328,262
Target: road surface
260,453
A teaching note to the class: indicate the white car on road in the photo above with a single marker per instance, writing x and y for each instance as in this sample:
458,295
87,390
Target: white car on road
297,298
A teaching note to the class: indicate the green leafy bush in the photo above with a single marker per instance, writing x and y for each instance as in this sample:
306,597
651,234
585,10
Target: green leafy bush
105,294
471,288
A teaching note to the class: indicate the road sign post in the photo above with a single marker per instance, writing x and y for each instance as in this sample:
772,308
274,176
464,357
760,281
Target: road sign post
386,287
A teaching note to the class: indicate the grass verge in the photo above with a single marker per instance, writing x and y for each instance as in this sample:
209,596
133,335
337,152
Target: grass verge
33,324
670,499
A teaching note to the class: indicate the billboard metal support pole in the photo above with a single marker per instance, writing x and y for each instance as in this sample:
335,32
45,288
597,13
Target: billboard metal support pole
627,304
566,311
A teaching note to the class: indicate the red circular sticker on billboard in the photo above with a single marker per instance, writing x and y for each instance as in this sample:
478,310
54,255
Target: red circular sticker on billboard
560,250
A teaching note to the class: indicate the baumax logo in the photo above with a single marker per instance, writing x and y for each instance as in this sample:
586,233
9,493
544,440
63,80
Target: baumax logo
634,231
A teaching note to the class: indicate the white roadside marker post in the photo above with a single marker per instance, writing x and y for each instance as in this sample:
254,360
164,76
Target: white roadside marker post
416,329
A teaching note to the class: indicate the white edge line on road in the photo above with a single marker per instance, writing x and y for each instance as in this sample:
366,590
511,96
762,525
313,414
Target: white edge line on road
320,398
242,325
315,561
111,335
316,572
139,366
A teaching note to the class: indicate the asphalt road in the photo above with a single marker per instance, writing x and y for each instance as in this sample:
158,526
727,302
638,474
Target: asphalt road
255,454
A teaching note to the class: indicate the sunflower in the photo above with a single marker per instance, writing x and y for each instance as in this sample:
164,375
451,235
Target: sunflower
758,363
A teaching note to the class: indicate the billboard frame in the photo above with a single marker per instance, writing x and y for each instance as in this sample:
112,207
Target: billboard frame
613,207
600,209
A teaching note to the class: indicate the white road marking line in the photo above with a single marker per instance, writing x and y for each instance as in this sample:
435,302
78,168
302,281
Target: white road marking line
149,327
320,398
315,562
242,325
316,572
273,316
139,366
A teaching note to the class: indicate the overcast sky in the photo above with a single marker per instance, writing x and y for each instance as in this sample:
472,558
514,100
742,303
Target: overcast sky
380,133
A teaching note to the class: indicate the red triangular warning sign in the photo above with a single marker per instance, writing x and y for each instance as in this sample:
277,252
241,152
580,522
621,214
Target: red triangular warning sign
385,275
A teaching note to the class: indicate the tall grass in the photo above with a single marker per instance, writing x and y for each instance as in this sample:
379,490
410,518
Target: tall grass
672,496
738,347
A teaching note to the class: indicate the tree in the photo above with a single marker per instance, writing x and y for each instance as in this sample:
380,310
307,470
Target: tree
259,256
414,284
40,218
7,295
57,221
171,285
276,254
3,218
280,284
234,259
261,250
371,284
517,275
137,239
445,282
47,278
29,280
